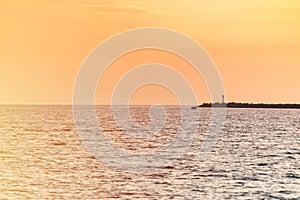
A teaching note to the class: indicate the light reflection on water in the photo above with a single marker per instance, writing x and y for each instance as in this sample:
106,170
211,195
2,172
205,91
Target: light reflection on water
41,156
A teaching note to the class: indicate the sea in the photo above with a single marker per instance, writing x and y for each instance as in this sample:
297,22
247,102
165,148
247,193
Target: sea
44,155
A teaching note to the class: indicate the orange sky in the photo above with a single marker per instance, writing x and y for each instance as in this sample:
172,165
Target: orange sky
255,44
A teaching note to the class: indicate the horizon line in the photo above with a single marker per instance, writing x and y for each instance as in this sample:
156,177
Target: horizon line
98,104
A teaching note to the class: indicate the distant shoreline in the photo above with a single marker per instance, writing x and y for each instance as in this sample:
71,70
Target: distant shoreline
248,105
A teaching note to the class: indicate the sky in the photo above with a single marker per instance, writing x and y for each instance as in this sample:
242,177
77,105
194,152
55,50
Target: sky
254,43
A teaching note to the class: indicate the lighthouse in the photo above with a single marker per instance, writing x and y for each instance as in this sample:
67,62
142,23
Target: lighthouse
223,101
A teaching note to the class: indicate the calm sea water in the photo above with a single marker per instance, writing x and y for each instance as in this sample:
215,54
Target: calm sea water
257,156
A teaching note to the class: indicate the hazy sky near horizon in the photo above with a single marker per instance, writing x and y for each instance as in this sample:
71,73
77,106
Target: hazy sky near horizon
254,43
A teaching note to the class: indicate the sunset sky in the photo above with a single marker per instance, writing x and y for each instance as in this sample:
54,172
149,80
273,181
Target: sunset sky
254,43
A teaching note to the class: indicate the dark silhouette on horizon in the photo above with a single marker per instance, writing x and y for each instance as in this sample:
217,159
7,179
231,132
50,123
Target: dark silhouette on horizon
246,105
250,105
